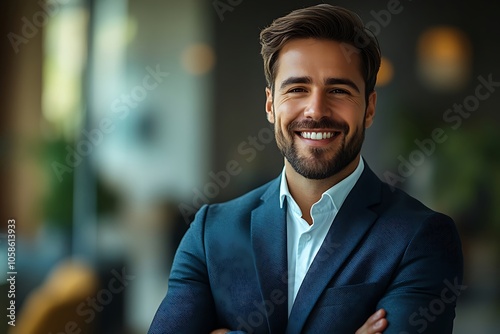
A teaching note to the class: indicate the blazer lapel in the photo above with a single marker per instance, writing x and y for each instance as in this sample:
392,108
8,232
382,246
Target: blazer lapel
268,235
349,226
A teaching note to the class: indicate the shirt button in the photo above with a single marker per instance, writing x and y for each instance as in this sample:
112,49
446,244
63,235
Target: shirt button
307,237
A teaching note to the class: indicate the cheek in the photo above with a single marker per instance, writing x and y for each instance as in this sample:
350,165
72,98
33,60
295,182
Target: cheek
281,117
356,126
354,120
287,111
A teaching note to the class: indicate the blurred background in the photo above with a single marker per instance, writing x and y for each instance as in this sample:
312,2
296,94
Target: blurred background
120,118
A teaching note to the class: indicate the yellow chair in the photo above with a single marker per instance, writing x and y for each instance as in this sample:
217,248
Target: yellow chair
52,308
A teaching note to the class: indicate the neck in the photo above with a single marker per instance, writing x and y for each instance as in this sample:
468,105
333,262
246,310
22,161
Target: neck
306,191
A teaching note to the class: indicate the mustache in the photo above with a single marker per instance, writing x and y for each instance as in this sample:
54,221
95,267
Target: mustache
323,123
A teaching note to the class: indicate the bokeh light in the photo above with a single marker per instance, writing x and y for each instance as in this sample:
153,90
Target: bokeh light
198,59
444,58
385,73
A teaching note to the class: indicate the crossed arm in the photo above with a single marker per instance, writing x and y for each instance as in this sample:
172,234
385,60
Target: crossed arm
375,324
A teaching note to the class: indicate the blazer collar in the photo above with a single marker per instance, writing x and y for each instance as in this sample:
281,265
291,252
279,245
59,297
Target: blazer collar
348,228
268,235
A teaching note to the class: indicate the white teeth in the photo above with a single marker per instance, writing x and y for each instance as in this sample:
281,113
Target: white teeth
317,135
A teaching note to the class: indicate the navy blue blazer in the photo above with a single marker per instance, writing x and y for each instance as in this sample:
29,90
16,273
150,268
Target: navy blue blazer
384,249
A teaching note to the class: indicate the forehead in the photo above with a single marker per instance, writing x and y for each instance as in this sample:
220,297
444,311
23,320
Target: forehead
319,59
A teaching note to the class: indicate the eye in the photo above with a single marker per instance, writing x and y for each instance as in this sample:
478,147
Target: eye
296,90
339,91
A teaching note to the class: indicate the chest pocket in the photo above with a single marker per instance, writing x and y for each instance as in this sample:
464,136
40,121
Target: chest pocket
351,294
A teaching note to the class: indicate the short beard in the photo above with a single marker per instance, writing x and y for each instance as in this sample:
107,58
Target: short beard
318,167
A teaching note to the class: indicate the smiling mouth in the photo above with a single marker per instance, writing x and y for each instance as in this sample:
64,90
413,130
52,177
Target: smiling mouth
318,135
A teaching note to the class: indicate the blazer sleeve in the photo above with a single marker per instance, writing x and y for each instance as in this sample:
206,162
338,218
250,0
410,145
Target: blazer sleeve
188,306
422,296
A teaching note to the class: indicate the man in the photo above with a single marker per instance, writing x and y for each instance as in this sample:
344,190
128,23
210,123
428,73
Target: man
326,244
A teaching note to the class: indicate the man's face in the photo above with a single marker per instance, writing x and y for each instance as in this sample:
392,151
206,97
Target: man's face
319,110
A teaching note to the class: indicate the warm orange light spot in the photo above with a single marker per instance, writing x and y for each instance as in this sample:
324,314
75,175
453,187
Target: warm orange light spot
444,58
198,59
385,73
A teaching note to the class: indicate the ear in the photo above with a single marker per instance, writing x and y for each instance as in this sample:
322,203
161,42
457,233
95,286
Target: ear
269,105
370,109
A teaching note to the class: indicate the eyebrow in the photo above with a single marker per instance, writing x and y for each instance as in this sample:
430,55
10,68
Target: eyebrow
342,81
328,82
295,80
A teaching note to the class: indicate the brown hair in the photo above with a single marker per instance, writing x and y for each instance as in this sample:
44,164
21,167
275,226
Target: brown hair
322,22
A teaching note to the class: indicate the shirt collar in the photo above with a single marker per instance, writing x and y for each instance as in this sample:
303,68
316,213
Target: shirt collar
338,193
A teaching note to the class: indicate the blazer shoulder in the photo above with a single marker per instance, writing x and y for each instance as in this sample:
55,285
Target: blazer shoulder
411,225
399,205
388,201
245,203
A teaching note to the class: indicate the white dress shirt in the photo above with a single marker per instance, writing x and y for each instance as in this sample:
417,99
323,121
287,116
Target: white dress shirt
304,240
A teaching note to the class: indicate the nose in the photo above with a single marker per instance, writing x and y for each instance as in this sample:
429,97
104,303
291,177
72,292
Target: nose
316,105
